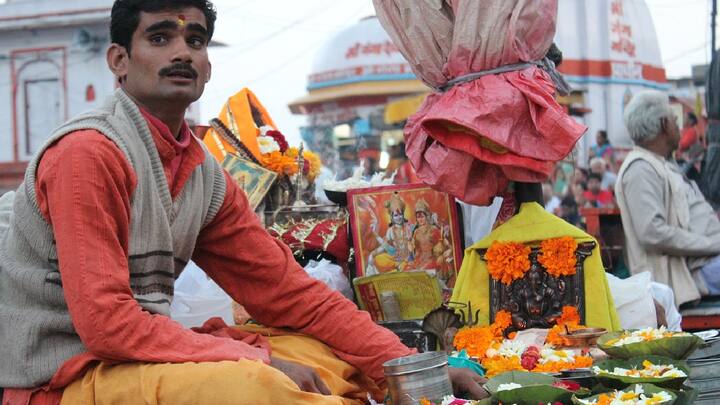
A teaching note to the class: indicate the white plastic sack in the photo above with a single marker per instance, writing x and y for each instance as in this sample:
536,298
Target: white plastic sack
633,300
331,274
198,298
665,296
479,220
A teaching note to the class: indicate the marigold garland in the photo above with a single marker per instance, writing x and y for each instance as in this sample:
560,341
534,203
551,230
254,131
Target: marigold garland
558,256
507,261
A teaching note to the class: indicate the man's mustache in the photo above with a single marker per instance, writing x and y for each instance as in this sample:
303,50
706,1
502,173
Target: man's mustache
184,69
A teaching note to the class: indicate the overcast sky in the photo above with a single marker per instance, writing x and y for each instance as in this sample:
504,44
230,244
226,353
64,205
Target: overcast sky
271,45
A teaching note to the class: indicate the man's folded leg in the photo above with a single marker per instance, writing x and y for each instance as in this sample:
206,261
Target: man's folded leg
227,382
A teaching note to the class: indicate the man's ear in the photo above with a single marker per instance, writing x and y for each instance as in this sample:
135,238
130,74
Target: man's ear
664,123
117,60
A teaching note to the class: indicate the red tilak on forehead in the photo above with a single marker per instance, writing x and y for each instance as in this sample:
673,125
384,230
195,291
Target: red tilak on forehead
181,20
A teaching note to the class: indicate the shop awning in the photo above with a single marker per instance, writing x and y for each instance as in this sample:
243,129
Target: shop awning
337,93
398,111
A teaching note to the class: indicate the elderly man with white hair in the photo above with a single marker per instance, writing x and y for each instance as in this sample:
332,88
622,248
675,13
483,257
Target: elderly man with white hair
670,229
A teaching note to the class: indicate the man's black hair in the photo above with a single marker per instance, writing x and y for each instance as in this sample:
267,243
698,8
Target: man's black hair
603,133
692,118
595,176
125,16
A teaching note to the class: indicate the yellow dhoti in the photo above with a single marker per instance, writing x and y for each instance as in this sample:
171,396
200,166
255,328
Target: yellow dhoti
227,382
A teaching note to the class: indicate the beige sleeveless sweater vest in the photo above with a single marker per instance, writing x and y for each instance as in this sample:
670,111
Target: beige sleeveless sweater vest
36,332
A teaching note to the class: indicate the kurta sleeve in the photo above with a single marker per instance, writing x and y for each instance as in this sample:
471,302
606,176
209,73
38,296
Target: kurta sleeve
644,195
261,273
84,190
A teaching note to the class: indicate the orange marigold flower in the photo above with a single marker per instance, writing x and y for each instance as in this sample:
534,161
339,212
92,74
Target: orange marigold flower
499,364
279,163
507,261
570,319
557,255
312,159
315,164
569,315
583,362
475,340
503,319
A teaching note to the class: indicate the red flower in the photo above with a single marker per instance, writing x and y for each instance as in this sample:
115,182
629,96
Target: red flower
279,138
566,384
306,166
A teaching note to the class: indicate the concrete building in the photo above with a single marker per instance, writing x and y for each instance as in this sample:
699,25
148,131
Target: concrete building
52,67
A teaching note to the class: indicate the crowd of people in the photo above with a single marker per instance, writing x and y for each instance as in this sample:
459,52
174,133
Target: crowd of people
575,185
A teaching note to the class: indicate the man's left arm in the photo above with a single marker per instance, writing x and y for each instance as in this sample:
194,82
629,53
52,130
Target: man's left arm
260,273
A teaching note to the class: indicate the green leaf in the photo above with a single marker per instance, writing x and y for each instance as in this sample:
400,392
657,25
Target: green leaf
518,377
679,347
647,388
536,388
620,382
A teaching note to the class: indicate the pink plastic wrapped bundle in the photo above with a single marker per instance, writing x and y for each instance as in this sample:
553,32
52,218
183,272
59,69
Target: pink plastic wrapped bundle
493,118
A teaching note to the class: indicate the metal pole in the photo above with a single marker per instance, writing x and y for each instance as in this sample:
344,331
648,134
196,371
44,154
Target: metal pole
713,24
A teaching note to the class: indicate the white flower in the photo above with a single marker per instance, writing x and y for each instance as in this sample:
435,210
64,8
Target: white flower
645,335
508,387
548,354
510,348
267,144
264,129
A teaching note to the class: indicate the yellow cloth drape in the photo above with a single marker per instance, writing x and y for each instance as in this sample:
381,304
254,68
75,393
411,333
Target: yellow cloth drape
534,224
226,382
247,131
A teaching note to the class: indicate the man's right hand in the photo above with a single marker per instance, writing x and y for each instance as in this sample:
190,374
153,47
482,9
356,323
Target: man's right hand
305,377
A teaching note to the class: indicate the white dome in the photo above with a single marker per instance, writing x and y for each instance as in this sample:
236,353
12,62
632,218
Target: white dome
363,52
614,40
609,41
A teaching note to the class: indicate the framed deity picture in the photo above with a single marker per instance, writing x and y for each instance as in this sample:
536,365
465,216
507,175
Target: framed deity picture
251,177
405,228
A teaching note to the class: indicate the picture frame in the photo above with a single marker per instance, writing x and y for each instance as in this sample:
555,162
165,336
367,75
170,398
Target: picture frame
254,179
411,242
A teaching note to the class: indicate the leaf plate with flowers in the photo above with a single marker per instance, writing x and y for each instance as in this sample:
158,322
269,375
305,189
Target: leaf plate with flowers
521,387
649,341
637,394
657,370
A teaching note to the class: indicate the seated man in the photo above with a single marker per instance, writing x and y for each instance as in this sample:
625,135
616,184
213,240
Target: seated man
596,196
670,229
114,206
599,166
